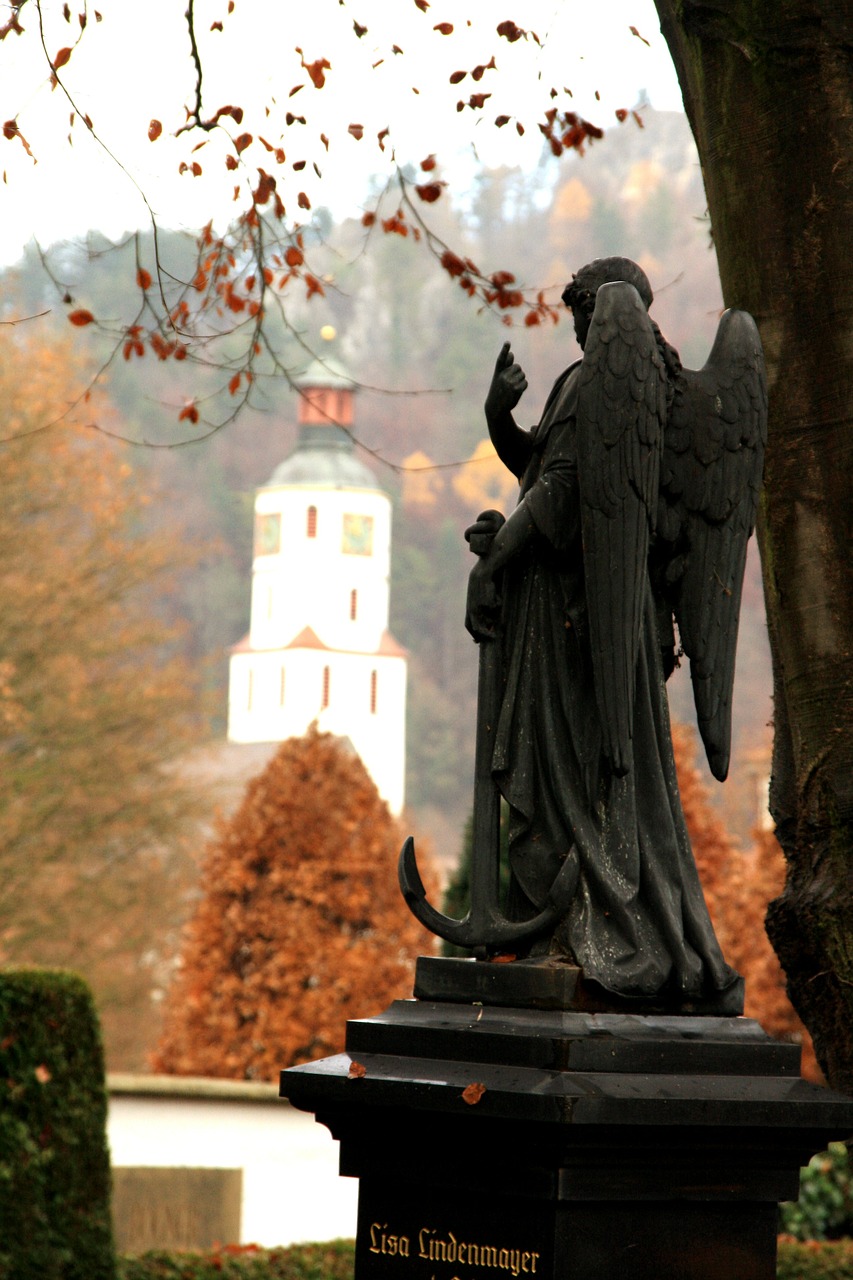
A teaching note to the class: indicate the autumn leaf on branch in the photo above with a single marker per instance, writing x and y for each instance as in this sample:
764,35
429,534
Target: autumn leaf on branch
511,32
207,316
11,130
316,69
431,191
189,413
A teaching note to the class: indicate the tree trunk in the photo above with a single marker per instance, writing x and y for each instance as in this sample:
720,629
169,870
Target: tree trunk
768,89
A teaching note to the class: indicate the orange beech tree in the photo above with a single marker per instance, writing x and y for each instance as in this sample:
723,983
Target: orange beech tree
96,706
300,924
738,887
761,81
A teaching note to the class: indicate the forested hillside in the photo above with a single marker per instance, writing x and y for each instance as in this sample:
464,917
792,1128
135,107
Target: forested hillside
422,353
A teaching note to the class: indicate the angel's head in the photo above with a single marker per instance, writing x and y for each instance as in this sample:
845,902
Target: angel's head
579,293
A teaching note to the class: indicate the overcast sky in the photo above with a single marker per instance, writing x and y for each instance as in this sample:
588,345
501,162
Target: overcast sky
134,65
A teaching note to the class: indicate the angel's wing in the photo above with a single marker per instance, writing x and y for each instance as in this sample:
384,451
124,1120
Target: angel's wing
710,480
620,419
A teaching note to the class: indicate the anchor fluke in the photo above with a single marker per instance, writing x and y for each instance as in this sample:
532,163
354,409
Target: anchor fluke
459,932
484,928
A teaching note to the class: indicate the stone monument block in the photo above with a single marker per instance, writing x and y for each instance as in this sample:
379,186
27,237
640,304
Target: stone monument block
176,1208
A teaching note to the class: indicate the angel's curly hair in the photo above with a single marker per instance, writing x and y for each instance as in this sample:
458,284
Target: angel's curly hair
586,282
581,290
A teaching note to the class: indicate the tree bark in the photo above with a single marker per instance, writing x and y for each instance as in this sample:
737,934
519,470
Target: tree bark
768,90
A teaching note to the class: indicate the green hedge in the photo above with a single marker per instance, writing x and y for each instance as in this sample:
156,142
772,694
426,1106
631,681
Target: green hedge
824,1210
814,1260
54,1164
798,1260
333,1261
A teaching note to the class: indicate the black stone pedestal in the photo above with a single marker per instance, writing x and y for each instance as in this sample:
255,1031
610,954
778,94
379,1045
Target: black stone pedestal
595,1145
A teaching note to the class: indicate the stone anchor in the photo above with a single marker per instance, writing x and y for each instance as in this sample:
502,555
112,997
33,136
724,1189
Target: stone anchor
485,930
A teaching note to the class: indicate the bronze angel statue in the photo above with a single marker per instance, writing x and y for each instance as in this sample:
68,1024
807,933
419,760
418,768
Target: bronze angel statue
638,494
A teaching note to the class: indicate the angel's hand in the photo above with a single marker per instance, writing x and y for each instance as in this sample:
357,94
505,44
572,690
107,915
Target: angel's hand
483,606
481,533
508,386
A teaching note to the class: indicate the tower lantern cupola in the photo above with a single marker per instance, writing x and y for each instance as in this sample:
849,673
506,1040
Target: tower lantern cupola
325,395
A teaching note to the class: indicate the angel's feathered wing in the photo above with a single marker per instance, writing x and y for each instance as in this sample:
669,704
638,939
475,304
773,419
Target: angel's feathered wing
620,420
710,481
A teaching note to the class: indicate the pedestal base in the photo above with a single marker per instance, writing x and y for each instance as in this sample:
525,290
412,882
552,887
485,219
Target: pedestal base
552,984
593,1145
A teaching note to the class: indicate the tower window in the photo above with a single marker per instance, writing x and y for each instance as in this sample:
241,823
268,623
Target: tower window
327,680
312,522
353,605
374,684
281,689
268,534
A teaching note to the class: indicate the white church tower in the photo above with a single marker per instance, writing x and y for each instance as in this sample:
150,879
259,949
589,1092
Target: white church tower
318,647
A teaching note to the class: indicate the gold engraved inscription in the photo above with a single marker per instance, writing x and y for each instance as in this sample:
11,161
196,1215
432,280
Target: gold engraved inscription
435,1247
383,1241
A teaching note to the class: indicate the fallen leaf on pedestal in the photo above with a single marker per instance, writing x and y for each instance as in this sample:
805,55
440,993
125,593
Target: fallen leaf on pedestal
357,1071
473,1093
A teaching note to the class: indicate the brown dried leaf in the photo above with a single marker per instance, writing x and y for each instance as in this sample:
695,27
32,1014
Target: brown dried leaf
510,31
429,192
317,71
356,1071
473,1093
189,413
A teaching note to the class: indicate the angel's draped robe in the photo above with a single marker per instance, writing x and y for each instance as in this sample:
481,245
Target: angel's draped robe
637,924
